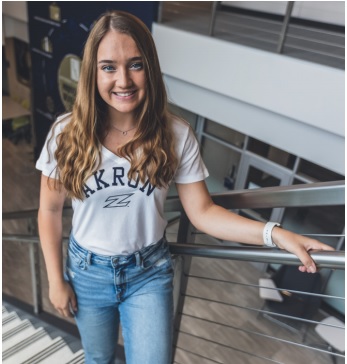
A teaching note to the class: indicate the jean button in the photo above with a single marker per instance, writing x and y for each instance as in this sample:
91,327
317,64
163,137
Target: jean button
115,260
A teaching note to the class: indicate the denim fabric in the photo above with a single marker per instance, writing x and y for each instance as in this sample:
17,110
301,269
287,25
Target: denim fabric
135,290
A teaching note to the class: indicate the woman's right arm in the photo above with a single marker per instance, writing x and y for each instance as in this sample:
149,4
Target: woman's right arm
50,231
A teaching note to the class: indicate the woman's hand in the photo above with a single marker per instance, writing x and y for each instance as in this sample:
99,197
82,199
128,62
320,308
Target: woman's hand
299,245
63,298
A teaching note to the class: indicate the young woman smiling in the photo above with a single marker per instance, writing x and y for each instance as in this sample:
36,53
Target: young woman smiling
115,155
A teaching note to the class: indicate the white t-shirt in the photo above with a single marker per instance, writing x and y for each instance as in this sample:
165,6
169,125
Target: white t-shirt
118,215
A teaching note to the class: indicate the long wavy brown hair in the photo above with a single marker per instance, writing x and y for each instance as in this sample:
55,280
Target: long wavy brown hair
151,150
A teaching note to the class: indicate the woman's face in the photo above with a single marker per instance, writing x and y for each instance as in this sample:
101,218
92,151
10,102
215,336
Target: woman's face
121,79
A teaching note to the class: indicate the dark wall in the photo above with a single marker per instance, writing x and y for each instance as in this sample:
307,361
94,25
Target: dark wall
57,33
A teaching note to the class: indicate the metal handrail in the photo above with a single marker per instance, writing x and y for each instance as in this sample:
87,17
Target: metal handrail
323,259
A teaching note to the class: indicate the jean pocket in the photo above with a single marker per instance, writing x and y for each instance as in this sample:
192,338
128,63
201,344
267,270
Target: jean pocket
161,261
74,260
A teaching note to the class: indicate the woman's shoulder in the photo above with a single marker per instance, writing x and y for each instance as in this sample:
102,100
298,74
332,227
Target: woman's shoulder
60,123
179,126
63,119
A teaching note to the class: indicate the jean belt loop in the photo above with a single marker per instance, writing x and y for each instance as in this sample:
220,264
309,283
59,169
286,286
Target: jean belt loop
89,258
138,257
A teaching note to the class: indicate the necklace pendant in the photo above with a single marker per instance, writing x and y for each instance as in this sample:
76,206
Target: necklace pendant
125,132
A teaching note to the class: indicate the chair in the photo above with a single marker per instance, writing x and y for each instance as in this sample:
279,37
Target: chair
293,304
333,336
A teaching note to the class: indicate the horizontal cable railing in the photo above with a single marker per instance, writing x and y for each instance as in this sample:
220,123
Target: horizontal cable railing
250,333
299,38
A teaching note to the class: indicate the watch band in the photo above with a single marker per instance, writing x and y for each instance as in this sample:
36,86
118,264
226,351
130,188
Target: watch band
267,234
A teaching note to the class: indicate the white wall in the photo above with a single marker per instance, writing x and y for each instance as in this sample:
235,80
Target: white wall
332,12
295,105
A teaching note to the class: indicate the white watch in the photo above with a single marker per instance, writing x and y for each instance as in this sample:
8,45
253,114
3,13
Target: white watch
267,234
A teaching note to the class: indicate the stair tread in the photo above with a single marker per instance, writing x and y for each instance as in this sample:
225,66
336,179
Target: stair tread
63,355
24,334
19,354
9,325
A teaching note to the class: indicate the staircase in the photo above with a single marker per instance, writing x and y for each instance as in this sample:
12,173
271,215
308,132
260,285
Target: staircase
26,340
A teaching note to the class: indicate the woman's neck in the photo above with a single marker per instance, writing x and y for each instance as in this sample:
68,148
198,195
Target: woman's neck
121,121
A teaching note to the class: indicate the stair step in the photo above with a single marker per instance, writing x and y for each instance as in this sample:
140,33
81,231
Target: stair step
17,339
7,318
23,342
16,330
27,347
9,325
54,353
78,358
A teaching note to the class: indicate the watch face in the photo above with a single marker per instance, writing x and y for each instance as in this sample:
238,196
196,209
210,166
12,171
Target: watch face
68,75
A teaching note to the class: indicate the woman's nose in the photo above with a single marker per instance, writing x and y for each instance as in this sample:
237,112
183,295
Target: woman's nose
123,78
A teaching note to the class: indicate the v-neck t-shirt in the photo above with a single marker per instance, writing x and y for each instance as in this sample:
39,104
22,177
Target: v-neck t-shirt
120,216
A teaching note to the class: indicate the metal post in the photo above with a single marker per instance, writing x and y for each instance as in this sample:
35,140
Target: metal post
182,268
283,33
35,268
35,278
160,12
215,5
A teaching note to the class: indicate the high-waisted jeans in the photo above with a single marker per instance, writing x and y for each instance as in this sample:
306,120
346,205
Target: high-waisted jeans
135,290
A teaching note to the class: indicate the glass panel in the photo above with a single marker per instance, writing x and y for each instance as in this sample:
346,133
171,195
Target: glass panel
184,114
317,173
257,178
226,134
271,153
222,164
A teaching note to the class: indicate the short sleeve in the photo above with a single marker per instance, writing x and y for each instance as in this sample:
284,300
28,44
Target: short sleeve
46,162
191,167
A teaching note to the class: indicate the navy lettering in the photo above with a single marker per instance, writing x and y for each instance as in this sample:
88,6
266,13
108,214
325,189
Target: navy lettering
118,173
150,188
87,190
98,180
136,183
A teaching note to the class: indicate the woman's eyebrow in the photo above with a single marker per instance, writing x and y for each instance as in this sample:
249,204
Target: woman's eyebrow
132,59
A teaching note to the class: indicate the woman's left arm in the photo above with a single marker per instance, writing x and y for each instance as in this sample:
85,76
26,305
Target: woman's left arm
216,221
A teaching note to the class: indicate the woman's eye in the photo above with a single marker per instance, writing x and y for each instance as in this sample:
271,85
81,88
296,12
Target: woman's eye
137,66
108,68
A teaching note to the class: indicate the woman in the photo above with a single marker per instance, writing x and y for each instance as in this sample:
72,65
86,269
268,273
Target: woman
115,156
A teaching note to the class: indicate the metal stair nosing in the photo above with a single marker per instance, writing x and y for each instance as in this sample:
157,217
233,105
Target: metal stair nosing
78,358
8,318
15,330
46,352
40,333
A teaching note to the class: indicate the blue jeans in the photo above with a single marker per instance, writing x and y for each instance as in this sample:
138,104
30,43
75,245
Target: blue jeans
135,290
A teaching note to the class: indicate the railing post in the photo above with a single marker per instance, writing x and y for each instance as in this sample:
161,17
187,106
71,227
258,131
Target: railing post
35,268
182,267
215,5
160,12
283,33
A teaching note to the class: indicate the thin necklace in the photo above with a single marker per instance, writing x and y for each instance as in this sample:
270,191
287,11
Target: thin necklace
125,132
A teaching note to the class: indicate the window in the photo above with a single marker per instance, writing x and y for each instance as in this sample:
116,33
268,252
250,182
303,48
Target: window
226,134
310,170
271,153
222,164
